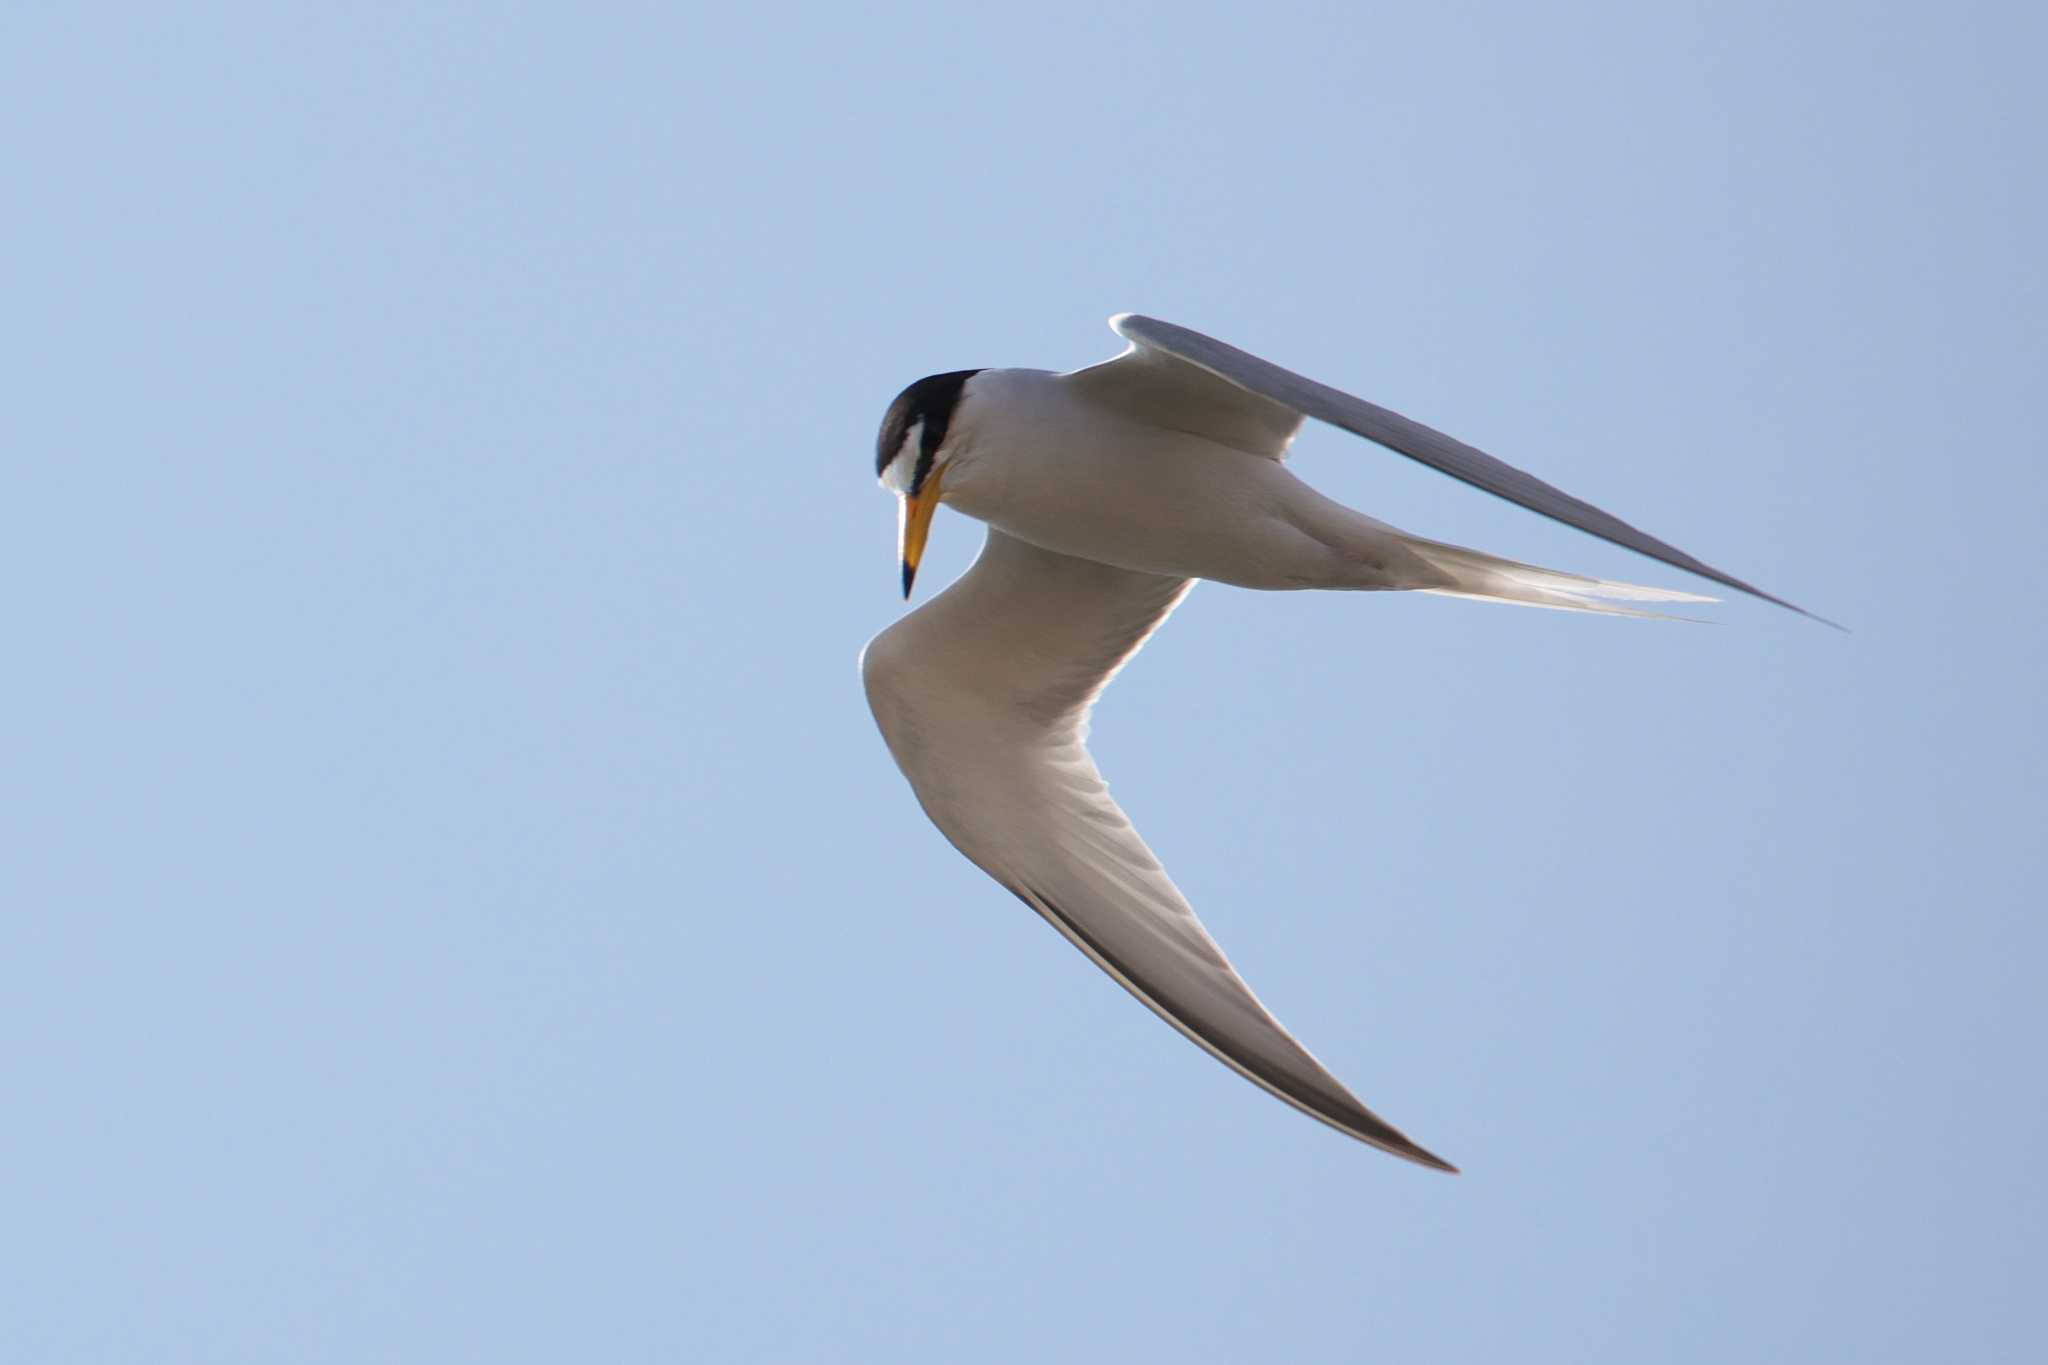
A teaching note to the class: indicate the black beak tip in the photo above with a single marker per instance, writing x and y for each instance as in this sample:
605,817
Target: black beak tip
909,573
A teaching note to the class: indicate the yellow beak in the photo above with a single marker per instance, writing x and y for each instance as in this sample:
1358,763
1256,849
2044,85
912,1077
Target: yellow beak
915,523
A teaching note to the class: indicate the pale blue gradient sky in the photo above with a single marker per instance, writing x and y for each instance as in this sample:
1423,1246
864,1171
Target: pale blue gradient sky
457,906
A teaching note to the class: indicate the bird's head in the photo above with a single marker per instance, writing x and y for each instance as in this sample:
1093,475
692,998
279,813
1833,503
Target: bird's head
911,456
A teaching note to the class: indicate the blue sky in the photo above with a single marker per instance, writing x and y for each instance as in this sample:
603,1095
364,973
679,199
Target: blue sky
458,906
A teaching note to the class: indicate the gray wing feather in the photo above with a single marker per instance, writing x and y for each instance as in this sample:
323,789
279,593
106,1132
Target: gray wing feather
1423,444
983,696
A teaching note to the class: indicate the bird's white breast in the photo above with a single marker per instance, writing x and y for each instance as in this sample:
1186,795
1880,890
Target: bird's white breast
1044,464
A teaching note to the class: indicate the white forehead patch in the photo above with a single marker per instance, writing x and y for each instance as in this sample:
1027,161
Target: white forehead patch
898,473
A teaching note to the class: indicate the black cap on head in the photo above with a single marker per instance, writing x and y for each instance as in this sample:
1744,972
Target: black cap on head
929,401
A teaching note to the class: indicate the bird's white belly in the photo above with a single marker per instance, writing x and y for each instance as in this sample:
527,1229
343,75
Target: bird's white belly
1085,483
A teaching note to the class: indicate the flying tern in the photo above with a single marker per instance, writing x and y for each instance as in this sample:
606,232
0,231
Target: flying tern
1108,491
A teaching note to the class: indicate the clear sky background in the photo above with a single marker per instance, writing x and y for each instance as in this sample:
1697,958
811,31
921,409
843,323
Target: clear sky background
456,906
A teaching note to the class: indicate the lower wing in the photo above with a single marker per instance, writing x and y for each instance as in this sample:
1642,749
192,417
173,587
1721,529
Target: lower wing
983,695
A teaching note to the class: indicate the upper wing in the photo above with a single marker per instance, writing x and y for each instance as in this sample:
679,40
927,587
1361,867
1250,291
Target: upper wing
1169,375
983,696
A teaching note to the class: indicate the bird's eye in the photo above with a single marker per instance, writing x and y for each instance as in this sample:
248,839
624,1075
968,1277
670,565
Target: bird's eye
901,469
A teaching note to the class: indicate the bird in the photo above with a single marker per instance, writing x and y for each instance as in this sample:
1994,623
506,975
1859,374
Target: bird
1108,491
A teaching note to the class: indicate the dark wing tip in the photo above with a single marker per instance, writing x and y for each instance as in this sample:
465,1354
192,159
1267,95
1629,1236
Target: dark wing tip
1350,1117
1816,616
1389,1139
1429,1159
1678,559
